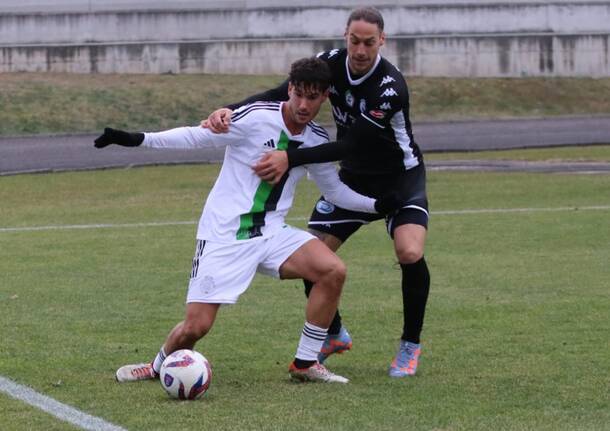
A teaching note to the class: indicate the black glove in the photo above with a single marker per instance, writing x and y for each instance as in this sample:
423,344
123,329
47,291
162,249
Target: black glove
389,203
119,137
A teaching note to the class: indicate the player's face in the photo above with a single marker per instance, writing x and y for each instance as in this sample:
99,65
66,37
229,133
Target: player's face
363,42
304,103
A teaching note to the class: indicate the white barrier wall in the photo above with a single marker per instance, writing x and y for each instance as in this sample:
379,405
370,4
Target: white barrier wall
448,38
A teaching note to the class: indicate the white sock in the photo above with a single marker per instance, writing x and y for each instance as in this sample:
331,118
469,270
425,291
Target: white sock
311,342
159,360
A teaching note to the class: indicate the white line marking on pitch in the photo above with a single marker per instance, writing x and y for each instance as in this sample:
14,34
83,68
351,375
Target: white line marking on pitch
178,223
55,408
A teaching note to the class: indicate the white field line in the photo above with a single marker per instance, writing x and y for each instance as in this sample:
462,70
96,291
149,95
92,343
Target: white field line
55,408
178,223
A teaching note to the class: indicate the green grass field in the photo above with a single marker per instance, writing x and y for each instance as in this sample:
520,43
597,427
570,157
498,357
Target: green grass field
516,335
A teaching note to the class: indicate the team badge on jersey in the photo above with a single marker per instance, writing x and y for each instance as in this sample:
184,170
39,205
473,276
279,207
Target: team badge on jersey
362,105
349,99
324,207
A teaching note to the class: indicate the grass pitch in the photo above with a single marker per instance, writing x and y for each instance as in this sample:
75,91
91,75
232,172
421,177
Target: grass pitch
35,103
516,333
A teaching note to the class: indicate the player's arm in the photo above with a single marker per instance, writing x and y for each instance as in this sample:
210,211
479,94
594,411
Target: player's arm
181,138
274,164
334,190
219,120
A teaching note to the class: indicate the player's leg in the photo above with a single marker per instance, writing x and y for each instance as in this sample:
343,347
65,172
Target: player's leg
215,279
316,262
408,228
333,226
297,254
197,322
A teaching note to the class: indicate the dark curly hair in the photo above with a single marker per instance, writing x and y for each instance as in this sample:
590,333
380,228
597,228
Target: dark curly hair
310,72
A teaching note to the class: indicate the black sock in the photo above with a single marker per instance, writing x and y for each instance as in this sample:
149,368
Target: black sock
415,289
335,325
301,363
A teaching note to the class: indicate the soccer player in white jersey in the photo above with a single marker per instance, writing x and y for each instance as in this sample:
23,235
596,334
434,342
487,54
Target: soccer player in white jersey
242,229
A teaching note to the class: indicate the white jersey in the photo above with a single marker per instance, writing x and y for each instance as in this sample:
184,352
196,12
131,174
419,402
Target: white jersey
241,206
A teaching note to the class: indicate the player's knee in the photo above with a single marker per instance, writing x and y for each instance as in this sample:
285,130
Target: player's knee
337,273
195,329
408,254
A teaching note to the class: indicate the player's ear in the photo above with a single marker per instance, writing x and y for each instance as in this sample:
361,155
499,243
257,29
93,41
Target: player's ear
325,95
382,38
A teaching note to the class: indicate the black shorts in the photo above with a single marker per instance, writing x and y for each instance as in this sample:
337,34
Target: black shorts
341,223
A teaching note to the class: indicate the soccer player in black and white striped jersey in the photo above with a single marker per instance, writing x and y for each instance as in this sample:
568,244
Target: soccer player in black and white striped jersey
242,229
370,105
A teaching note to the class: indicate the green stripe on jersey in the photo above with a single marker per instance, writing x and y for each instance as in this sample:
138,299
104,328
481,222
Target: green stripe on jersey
247,226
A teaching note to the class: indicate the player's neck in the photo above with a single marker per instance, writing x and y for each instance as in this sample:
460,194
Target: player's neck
293,127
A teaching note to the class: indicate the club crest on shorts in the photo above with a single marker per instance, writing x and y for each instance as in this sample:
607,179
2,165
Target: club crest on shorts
324,207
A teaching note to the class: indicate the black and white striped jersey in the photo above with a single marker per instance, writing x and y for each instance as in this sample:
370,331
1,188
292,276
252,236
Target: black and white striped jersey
375,108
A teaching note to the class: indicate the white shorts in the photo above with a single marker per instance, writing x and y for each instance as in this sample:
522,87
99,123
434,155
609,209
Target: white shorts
222,272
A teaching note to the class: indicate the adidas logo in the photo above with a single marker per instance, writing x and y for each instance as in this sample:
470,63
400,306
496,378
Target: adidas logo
270,143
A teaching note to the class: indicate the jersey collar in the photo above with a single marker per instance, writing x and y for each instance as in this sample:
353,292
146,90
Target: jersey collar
362,78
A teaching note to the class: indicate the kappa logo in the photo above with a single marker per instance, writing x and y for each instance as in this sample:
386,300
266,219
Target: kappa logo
330,54
270,143
386,80
389,92
333,90
386,106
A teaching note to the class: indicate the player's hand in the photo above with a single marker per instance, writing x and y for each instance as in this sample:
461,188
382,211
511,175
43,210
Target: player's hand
118,137
272,166
389,203
218,121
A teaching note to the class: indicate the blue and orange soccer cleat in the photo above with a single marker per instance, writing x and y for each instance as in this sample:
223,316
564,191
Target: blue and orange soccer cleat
406,360
335,343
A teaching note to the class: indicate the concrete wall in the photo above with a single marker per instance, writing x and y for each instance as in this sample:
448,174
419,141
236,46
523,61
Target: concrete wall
448,38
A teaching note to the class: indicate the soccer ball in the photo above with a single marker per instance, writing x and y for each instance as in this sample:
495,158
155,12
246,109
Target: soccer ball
186,374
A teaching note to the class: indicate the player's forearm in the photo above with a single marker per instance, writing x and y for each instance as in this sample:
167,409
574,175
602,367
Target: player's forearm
346,198
331,152
275,94
181,137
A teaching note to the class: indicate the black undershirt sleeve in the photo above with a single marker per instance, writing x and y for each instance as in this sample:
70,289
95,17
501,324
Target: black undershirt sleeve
275,94
330,152
360,134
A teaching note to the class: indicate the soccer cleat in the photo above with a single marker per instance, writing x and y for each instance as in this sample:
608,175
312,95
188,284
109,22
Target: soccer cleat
335,343
316,373
136,372
406,360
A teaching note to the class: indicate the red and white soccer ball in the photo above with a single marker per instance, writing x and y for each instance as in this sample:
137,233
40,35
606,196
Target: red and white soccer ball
186,374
